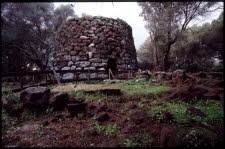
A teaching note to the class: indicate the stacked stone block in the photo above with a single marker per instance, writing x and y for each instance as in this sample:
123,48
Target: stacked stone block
88,43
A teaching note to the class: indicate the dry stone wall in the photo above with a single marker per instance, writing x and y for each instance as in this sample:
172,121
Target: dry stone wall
95,43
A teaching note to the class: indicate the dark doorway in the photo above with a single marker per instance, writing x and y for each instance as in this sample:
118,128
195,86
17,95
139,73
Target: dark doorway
112,65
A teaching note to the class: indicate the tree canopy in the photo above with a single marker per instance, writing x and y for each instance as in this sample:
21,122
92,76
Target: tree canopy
166,22
28,33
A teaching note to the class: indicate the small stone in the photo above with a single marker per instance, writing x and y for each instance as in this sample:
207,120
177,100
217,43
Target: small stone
101,117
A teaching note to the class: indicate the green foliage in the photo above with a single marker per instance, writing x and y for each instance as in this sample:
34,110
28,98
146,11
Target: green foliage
108,129
136,89
199,45
129,143
111,129
140,139
213,110
13,98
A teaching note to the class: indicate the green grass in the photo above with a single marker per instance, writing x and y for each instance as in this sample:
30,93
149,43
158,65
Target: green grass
137,89
108,129
13,98
213,110
139,139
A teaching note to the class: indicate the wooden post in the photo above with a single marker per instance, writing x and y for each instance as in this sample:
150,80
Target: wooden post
21,82
109,74
55,74
88,75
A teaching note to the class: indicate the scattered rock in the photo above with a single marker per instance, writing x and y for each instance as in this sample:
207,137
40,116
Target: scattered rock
131,105
59,101
35,98
178,76
75,108
94,108
195,138
75,100
27,130
196,112
154,102
102,116
168,137
138,117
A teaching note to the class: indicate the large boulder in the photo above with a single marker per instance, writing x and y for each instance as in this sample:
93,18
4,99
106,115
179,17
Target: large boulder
35,98
178,76
138,117
59,101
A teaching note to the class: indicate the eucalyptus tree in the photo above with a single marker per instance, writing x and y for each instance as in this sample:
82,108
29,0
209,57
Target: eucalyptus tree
166,21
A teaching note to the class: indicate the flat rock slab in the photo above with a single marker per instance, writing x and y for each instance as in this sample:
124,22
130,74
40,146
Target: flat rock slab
107,89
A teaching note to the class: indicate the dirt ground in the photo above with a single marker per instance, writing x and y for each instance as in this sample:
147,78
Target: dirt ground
45,130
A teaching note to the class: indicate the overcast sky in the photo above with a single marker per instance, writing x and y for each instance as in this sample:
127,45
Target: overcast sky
127,11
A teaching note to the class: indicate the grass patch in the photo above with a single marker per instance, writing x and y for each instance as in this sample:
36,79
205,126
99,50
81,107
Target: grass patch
137,89
108,129
13,98
213,110
140,139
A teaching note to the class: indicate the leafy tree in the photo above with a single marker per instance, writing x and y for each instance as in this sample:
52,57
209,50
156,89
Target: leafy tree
199,46
28,33
166,21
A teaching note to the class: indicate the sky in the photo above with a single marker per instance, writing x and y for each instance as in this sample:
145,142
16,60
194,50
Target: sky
127,11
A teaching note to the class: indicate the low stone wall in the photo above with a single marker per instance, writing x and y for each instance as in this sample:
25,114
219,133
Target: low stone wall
95,43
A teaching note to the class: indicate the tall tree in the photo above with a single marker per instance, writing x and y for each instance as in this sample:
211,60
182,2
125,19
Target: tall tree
28,32
166,21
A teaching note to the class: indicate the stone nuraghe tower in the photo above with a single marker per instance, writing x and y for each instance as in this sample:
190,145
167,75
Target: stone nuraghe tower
95,43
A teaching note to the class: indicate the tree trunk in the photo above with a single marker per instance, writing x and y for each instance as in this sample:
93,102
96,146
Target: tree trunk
165,58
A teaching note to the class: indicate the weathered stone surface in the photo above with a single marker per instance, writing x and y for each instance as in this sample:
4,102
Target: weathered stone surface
168,137
35,97
59,101
70,63
102,116
75,108
90,42
66,68
75,100
93,75
94,108
83,76
73,67
196,112
178,76
138,117
68,76
103,76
